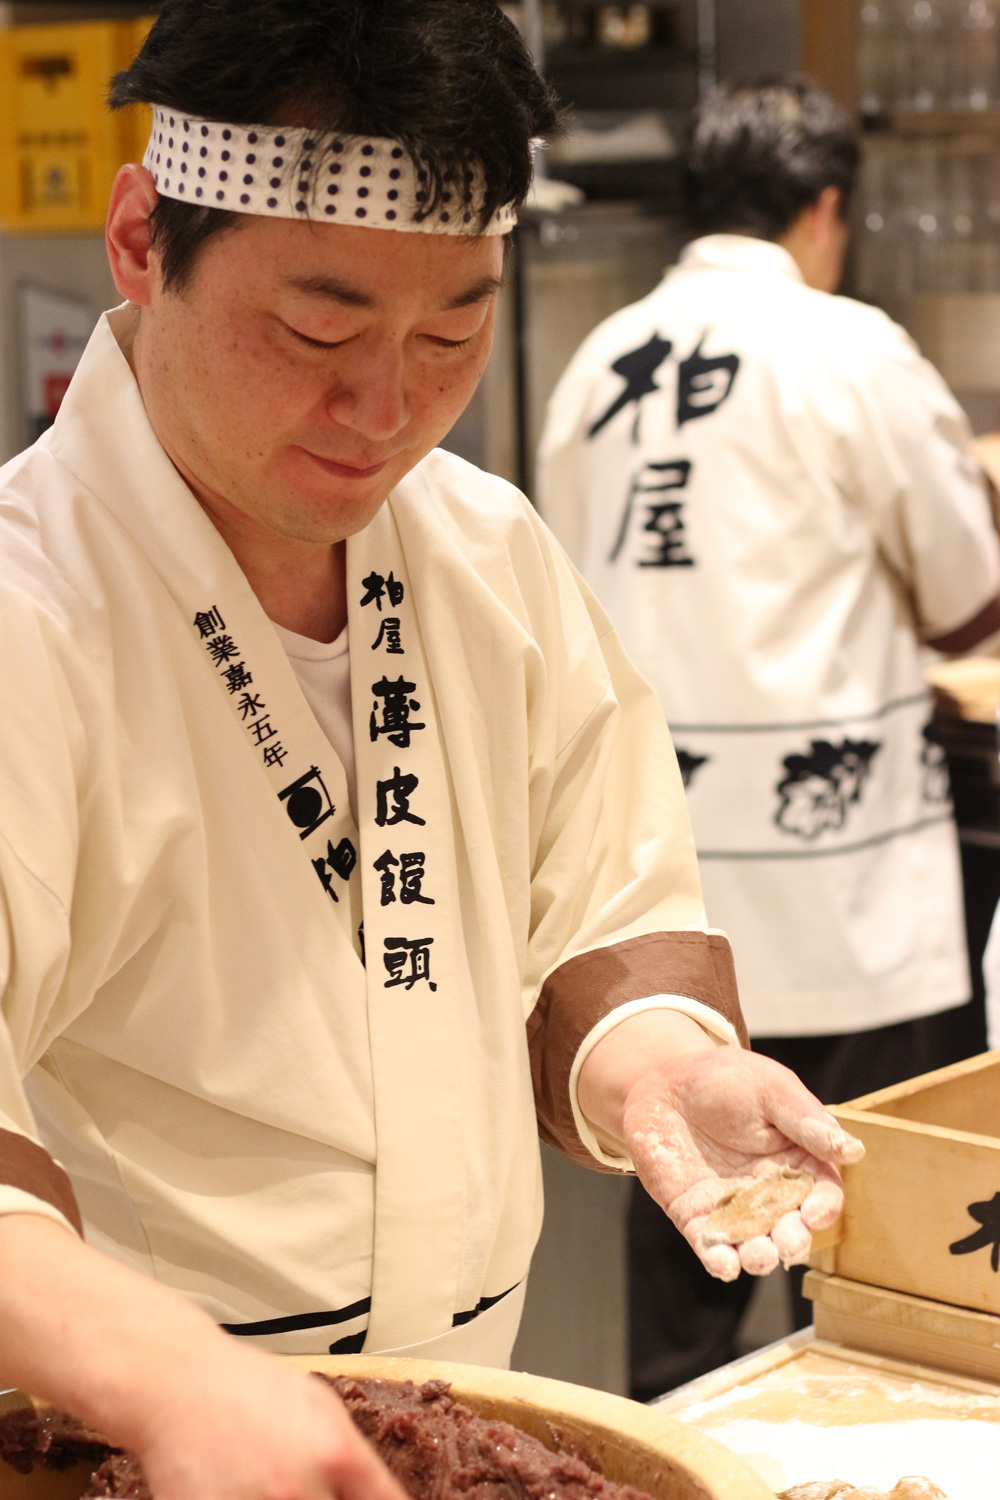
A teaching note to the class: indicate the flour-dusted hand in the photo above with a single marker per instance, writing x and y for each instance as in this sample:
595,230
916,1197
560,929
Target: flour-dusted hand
244,1426
694,1128
699,1121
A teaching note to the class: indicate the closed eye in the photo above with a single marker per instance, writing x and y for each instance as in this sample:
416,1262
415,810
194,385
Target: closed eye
303,338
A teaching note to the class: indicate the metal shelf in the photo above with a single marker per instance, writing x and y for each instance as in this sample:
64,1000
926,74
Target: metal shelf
653,181
620,59
936,123
643,79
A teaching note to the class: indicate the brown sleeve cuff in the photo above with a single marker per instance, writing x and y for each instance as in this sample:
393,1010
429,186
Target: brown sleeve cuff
25,1165
585,989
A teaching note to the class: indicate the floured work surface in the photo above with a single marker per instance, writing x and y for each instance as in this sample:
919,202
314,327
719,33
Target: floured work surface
801,1413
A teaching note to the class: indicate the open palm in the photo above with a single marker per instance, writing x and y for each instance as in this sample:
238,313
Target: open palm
694,1129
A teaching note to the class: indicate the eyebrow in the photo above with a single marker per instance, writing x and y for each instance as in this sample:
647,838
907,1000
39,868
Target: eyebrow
347,295
480,291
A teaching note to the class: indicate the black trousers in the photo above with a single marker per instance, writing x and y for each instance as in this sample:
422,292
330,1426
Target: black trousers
682,1321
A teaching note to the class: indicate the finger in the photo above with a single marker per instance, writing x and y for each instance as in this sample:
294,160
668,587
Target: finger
758,1256
353,1469
802,1118
792,1239
721,1261
357,1473
817,1130
824,1205
827,1139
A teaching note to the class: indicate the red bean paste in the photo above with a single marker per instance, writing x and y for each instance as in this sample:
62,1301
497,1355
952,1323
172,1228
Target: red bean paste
50,1438
437,1448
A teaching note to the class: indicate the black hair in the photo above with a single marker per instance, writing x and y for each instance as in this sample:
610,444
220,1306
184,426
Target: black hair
761,152
450,80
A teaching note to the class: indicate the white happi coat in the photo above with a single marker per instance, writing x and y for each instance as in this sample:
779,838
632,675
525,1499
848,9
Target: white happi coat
322,1155
772,492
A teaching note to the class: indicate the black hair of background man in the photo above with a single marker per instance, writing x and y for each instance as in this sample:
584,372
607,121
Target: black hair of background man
760,153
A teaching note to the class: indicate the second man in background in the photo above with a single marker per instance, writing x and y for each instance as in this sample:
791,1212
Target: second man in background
775,497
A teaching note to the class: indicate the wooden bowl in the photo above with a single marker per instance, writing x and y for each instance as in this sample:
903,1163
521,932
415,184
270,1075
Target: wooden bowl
633,1444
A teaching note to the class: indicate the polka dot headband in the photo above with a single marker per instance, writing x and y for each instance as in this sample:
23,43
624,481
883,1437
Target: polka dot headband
300,174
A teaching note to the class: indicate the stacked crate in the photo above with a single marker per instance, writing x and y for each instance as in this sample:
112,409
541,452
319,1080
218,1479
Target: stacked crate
60,145
912,1269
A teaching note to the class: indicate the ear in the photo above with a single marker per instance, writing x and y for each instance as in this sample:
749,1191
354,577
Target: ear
827,210
128,235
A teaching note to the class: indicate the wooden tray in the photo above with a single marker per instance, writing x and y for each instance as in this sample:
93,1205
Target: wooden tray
922,1209
871,1318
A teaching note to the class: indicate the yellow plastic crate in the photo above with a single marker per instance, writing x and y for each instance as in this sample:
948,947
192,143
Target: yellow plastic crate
60,146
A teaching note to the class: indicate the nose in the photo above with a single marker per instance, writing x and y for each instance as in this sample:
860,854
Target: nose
369,393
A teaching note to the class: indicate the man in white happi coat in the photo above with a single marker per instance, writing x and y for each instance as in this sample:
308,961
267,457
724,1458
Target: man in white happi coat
341,846
775,498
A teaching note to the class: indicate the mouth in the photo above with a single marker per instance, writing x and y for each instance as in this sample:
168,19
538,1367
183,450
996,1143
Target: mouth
346,471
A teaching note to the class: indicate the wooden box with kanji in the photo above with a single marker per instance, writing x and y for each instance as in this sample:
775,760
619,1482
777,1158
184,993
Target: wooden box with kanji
921,1218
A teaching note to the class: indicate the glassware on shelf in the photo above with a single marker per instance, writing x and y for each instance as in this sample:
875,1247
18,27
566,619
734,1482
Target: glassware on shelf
885,244
982,269
877,57
928,212
975,53
874,238
924,54
928,219
955,267
988,200
924,80
989,193
922,213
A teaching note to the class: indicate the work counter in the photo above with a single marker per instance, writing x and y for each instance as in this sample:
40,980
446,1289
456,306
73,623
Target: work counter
805,1409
